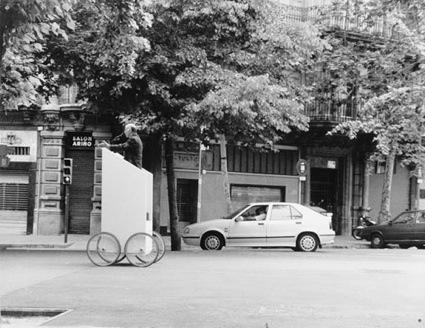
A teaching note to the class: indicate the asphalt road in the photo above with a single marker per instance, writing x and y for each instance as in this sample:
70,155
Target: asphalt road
231,288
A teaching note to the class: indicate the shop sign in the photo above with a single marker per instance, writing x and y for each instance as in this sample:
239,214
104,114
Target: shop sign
324,163
80,140
190,161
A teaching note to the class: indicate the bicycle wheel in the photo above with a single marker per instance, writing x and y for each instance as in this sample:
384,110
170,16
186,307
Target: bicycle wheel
103,249
141,249
161,245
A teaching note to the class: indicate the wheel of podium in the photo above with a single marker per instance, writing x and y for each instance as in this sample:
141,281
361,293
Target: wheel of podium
141,249
161,245
103,249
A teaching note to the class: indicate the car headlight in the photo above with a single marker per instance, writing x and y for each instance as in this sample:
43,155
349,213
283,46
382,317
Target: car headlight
186,230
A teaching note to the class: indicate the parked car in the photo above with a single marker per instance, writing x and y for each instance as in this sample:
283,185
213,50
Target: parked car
406,230
264,225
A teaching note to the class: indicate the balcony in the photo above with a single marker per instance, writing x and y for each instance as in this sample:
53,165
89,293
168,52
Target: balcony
321,13
330,113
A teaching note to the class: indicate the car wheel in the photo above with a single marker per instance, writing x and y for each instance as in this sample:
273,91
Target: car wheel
421,246
307,242
377,241
212,242
356,233
404,246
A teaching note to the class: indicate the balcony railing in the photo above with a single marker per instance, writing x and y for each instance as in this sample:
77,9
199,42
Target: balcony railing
353,23
330,111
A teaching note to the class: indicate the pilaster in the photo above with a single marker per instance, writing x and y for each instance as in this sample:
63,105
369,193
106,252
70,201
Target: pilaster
48,217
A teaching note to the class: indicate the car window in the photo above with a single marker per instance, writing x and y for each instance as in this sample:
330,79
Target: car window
296,215
280,212
405,218
232,215
421,217
255,213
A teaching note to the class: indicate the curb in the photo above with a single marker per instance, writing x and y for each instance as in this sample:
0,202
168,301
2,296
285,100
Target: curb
66,247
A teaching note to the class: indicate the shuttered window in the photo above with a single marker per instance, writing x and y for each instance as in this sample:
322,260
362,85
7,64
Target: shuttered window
13,197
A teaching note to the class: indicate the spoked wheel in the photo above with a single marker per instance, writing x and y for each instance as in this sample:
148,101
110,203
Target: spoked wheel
158,238
141,249
103,249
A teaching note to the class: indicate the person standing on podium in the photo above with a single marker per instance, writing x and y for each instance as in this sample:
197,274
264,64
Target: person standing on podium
132,146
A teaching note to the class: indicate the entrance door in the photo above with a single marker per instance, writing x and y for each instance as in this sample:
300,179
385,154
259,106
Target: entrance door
325,192
187,199
81,191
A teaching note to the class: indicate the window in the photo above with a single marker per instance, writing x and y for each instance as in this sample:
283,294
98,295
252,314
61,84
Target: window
255,213
20,151
405,218
280,213
296,215
421,217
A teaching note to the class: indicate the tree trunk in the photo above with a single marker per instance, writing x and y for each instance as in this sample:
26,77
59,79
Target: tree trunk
225,173
385,213
172,195
2,52
366,185
157,182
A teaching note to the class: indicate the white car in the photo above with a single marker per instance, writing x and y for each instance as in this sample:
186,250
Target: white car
264,225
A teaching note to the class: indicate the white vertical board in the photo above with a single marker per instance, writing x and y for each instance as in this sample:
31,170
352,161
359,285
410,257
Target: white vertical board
126,197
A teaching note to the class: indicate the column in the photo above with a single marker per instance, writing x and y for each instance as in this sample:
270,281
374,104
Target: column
48,217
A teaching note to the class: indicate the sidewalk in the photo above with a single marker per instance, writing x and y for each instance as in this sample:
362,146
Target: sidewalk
79,242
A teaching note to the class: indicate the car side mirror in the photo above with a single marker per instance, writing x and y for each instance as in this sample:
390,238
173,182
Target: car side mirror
238,219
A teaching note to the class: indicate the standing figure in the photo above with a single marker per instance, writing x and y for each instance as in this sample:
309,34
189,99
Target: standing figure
132,146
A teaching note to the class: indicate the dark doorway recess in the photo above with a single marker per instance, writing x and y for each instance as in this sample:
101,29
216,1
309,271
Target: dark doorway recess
326,192
187,199
81,191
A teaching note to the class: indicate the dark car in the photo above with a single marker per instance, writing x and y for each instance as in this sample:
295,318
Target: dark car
406,230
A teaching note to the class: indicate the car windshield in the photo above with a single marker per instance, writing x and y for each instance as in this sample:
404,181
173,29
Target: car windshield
232,215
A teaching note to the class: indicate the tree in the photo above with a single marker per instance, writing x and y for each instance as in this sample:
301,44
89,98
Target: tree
386,77
24,26
168,75
396,119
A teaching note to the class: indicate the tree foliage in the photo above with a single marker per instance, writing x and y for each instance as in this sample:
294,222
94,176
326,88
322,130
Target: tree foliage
24,26
385,76
232,67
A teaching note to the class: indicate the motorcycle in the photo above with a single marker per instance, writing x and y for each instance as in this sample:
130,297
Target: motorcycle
364,221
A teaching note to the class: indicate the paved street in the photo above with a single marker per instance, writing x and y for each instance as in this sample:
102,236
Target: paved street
231,288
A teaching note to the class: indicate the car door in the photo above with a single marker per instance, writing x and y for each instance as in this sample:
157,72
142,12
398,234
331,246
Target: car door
420,226
249,227
283,225
402,228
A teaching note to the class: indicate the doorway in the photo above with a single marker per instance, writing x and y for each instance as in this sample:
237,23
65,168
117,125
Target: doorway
326,193
81,191
187,200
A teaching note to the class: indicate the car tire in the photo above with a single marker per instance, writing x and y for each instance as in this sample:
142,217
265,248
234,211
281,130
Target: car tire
307,242
404,246
356,233
212,241
377,241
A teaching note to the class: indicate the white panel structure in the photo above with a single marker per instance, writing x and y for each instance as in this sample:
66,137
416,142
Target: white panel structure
126,197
